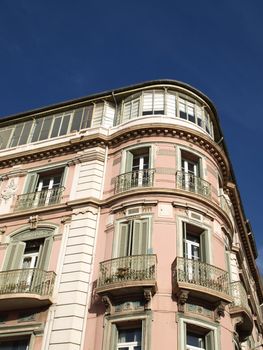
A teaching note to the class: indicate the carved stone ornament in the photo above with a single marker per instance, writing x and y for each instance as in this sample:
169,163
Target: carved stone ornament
33,221
107,303
147,297
9,190
220,311
182,297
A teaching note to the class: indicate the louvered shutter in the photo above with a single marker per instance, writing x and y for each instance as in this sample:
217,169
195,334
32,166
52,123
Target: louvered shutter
135,109
97,115
210,341
14,254
123,239
113,337
31,183
204,247
43,261
170,105
184,241
129,161
147,102
140,237
158,103
126,111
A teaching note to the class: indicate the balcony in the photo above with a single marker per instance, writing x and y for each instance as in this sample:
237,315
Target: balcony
39,199
27,288
127,275
191,183
240,308
133,179
201,280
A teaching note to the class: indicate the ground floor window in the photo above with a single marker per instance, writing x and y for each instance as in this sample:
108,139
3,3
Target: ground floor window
18,344
129,339
197,335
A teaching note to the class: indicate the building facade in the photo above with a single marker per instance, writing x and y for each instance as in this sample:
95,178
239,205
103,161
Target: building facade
122,227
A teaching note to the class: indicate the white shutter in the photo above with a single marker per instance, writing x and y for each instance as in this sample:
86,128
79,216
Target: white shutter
158,102
140,237
126,111
182,106
135,109
108,117
123,239
147,102
170,105
97,116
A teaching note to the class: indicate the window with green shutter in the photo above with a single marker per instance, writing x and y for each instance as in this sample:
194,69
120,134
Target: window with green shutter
133,237
29,253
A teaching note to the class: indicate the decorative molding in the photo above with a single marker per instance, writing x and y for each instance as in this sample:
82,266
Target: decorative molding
220,311
182,298
33,221
9,191
31,234
147,293
108,305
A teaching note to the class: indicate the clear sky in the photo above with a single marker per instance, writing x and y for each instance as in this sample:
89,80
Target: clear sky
55,50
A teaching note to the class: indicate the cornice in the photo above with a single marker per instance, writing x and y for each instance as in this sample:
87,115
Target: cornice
246,240
120,137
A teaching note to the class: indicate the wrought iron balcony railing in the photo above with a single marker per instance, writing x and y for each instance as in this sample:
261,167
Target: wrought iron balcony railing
127,269
138,178
192,183
195,272
239,295
32,281
39,199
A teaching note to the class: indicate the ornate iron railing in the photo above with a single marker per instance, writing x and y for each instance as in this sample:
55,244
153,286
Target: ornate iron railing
128,268
239,295
199,273
39,198
34,281
138,178
225,205
192,183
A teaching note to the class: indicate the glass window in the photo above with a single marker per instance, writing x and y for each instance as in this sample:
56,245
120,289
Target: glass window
129,339
22,344
153,103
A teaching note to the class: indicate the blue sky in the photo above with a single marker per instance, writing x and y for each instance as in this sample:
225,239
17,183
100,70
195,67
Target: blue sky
52,51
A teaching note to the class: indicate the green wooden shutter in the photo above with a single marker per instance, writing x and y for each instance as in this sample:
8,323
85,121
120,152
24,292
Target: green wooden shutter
140,236
184,241
210,341
14,254
31,183
123,239
113,337
43,260
129,161
204,247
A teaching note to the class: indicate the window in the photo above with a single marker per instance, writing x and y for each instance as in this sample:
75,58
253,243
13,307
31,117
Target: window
131,109
133,237
195,243
29,253
190,176
190,165
129,339
138,164
127,333
198,338
197,335
18,344
26,263
153,102
42,188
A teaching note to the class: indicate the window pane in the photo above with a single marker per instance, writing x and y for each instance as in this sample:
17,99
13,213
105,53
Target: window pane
87,117
4,137
56,127
64,126
16,135
38,125
76,122
25,133
45,128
